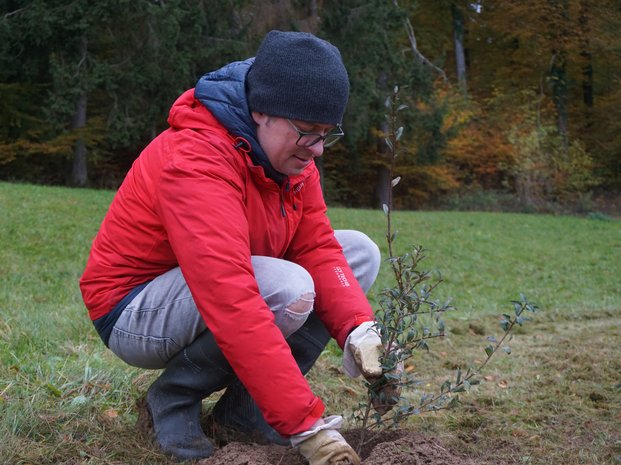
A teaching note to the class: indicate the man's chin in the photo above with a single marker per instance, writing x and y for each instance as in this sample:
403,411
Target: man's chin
296,172
298,167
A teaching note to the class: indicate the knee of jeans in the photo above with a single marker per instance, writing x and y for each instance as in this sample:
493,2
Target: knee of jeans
303,305
295,314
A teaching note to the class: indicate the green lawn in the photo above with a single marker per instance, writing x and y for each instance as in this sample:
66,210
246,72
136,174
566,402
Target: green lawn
566,264
65,399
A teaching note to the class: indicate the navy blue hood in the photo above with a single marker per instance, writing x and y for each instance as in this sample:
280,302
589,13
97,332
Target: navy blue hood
223,92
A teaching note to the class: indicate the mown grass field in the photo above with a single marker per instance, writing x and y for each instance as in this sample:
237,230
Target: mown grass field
555,400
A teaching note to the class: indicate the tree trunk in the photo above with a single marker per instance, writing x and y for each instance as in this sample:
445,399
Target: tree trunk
587,57
79,173
558,77
458,38
559,9
587,80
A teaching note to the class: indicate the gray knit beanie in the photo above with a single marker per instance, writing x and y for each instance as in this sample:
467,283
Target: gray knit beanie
299,76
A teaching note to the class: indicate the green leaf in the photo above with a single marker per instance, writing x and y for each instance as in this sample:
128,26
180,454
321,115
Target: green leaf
517,306
507,349
396,181
399,133
489,350
386,209
446,386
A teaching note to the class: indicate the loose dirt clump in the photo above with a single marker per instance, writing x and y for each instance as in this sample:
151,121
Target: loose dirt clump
411,449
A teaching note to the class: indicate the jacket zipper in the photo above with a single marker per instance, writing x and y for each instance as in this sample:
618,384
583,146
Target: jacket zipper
284,190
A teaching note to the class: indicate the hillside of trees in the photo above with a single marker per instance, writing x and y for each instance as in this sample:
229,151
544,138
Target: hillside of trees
515,101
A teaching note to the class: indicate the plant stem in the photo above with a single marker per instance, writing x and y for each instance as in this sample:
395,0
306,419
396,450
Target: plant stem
364,428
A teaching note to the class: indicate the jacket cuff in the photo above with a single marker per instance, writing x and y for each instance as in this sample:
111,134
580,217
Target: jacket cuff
332,422
343,333
315,414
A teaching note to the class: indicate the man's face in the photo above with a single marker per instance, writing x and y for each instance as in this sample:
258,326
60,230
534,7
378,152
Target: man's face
278,138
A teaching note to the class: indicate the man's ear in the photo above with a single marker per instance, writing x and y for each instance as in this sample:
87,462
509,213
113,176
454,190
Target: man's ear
259,118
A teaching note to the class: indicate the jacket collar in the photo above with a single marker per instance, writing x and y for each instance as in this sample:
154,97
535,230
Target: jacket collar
223,92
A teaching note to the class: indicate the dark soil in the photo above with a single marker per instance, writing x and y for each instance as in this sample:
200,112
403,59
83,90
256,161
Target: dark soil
387,448
391,447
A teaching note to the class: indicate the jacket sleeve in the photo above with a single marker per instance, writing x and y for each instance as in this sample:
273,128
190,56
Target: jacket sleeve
201,203
340,302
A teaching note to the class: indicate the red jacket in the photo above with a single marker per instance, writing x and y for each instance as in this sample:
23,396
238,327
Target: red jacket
192,200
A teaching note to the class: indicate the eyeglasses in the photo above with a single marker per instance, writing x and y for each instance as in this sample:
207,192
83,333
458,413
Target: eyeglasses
308,139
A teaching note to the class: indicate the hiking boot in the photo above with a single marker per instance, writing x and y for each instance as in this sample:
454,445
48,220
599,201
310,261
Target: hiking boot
174,400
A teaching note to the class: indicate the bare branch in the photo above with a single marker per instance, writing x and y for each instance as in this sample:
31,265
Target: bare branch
421,58
11,13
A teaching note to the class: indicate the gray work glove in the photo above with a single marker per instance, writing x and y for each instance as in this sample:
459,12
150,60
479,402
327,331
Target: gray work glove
361,355
328,447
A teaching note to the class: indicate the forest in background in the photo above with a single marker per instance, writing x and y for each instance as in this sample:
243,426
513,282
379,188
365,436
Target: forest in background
511,104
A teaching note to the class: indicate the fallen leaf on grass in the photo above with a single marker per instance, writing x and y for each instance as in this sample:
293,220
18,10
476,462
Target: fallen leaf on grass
111,413
503,384
519,433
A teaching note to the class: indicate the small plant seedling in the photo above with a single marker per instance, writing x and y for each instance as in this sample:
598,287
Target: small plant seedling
409,316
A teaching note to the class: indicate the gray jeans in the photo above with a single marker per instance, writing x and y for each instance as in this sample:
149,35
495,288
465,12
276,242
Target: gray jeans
163,319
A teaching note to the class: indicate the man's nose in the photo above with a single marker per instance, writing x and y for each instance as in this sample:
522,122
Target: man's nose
316,149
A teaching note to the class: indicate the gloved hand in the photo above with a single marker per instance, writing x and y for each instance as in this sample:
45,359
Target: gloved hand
328,447
361,354
362,351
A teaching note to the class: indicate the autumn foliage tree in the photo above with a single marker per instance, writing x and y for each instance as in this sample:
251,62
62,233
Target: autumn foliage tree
490,87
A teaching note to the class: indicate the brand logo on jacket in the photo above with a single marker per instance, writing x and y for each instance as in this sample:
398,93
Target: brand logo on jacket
341,276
